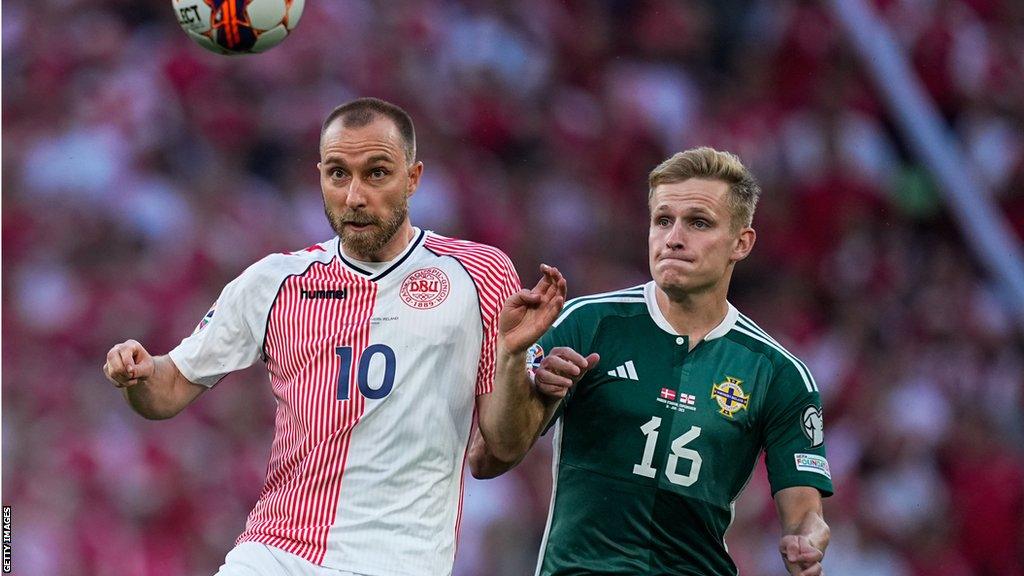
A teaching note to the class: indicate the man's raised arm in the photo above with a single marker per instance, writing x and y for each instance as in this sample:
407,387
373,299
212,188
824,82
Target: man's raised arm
153,386
513,415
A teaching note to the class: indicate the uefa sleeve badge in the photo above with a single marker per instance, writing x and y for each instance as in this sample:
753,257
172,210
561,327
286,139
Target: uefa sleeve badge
206,319
533,358
813,425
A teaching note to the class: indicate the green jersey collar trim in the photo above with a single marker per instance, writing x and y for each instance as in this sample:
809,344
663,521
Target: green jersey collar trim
723,328
727,323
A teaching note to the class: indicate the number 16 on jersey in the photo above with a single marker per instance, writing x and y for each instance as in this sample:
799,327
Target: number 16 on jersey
679,451
363,371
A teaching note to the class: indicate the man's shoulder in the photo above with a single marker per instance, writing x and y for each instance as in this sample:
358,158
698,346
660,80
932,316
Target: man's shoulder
283,264
321,251
593,307
462,249
490,268
751,336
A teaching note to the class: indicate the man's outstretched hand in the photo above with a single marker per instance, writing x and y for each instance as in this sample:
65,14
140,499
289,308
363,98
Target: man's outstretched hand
527,314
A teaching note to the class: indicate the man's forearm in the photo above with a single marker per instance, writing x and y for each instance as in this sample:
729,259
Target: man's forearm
516,413
163,394
801,515
813,526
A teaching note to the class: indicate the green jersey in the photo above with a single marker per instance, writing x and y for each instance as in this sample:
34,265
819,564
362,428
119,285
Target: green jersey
655,443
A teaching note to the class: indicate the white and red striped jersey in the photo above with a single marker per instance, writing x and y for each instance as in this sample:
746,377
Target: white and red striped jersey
375,371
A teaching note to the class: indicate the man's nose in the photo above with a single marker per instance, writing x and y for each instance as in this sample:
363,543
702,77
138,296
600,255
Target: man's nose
676,236
356,196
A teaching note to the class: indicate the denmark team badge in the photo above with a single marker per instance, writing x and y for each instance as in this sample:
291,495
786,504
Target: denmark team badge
425,288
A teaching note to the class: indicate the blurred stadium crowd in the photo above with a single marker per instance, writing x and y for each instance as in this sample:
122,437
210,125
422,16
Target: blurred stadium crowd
141,174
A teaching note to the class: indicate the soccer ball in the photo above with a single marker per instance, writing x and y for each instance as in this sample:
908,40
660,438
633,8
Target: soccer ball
238,26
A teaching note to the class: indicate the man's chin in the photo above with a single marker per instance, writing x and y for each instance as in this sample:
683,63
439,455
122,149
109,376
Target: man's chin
673,281
364,231
365,244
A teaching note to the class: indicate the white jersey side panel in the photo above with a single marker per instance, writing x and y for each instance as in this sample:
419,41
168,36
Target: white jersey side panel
415,437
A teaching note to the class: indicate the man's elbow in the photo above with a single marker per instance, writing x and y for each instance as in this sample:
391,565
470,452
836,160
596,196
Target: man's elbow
158,415
150,410
490,468
483,471
486,462
511,452
154,413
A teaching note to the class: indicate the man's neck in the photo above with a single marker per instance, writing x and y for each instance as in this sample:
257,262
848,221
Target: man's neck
693,315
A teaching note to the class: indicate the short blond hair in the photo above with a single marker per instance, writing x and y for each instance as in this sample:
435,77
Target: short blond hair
710,164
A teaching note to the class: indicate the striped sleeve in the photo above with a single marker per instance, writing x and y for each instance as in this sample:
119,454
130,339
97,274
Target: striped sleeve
495,279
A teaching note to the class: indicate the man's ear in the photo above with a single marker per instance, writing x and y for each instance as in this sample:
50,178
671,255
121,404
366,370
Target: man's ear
415,173
744,244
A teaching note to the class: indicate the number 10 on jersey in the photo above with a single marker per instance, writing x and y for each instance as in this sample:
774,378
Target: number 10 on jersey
363,371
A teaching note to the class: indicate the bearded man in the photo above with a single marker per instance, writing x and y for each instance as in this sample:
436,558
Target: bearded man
380,344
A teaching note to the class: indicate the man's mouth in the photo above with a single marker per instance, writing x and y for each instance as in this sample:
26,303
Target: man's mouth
677,258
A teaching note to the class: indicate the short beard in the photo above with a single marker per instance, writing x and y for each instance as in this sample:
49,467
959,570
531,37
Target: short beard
367,245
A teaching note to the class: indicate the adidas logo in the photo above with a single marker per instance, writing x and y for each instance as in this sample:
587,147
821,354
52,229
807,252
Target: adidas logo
626,370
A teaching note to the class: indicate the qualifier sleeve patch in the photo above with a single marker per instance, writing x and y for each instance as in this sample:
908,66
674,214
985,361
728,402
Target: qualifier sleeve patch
813,425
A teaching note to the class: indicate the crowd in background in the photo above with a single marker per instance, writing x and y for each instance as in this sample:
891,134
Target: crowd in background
141,174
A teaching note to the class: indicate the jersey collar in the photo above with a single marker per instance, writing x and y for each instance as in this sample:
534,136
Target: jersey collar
378,272
717,332
726,324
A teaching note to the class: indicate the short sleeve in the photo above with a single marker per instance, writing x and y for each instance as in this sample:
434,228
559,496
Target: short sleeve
224,340
493,288
794,431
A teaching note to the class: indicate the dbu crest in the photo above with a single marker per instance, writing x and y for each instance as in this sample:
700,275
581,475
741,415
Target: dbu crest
425,288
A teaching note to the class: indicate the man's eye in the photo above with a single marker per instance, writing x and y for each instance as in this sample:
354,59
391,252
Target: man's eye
664,222
701,224
378,173
336,173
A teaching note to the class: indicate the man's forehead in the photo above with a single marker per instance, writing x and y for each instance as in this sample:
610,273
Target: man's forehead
380,134
689,194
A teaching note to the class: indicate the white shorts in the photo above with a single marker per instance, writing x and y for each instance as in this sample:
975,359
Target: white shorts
255,559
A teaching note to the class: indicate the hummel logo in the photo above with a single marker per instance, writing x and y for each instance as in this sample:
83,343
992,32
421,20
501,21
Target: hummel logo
626,370
323,294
